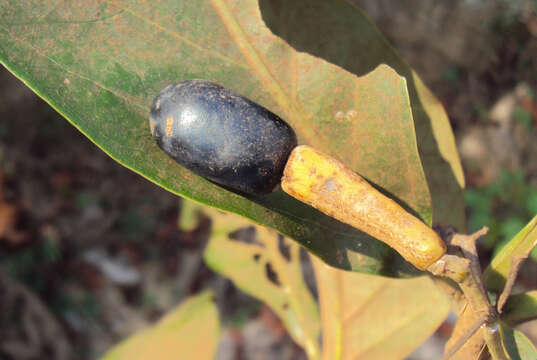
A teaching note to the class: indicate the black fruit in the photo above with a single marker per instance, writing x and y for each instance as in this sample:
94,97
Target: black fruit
221,135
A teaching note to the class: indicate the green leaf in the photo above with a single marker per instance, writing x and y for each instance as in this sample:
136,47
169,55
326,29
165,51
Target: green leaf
520,308
261,269
189,332
344,36
511,226
372,317
518,346
520,246
101,63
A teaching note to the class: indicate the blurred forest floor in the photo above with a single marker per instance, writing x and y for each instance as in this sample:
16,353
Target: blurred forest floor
85,262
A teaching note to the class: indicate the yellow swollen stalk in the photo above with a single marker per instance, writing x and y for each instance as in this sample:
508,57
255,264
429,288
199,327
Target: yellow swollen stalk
324,183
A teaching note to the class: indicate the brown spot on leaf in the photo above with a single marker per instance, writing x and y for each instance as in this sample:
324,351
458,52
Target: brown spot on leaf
271,274
284,248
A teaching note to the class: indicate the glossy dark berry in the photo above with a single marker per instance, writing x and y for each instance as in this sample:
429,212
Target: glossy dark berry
222,135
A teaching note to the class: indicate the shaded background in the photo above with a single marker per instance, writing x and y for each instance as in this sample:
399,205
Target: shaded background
91,252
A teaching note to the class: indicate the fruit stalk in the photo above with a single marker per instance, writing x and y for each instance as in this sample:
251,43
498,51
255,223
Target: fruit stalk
324,183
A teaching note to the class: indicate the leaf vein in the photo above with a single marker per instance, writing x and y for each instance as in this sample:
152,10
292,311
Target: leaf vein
38,51
180,37
366,302
387,336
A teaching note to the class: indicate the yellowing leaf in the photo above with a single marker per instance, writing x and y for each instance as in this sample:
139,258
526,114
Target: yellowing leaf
262,270
191,331
442,142
372,317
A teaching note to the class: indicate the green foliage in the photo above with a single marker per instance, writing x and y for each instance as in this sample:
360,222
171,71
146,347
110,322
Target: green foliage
520,308
451,75
505,206
83,199
517,248
4,130
518,346
524,117
241,316
23,264
101,64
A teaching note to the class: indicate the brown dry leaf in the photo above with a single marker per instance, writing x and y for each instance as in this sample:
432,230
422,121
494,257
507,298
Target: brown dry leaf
372,317
8,220
267,267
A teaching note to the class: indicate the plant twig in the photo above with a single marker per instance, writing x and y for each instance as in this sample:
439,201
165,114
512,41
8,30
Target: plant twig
513,272
452,267
467,243
463,339
472,286
491,333
467,273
